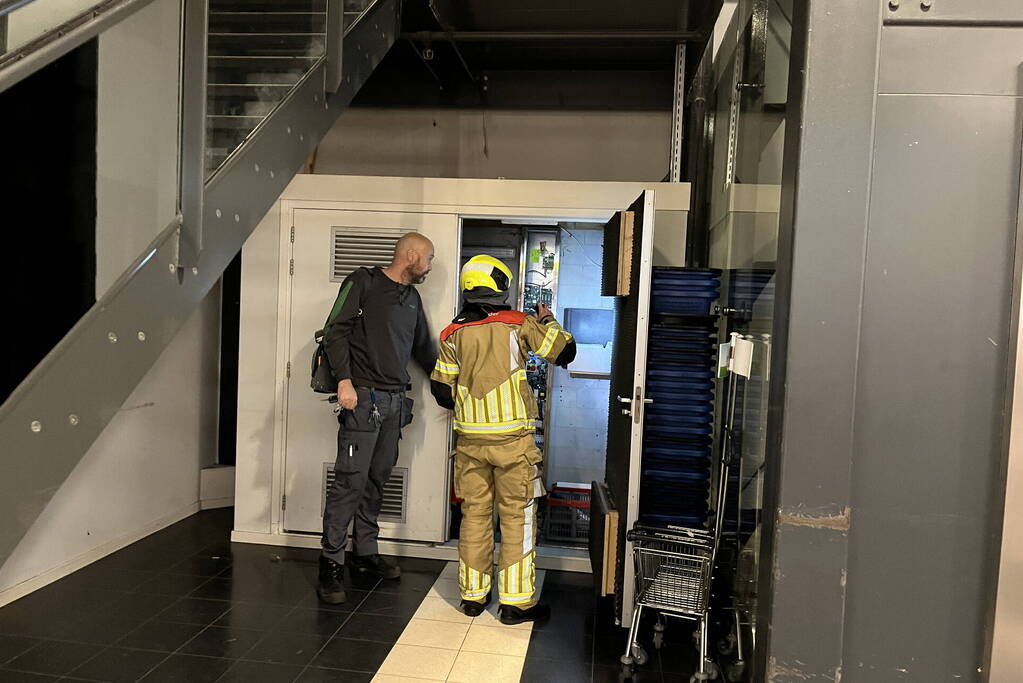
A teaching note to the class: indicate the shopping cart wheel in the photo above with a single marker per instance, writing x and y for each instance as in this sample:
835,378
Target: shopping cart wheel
658,639
735,670
639,655
710,675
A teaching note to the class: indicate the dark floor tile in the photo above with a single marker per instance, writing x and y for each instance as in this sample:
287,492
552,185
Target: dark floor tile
118,664
215,589
320,622
160,635
195,611
569,598
267,584
418,564
410,582
141,606
202,565
287,648
107,578
675,678
353,655
25,677
401,605
561,645
381,629
253,615
609,647
602,674
250,672
317,675
12,646
570,621
569,580
677,657
53,657
98,629
141,558
355,597
226,643
188,669
172,584
546,671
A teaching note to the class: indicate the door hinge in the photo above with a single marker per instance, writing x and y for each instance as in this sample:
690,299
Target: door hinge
291,267
288,370
293,234
284,501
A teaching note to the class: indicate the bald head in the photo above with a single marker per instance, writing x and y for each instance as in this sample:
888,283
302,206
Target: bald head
413,258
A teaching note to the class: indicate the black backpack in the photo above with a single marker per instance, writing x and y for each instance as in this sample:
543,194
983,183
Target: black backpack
323,380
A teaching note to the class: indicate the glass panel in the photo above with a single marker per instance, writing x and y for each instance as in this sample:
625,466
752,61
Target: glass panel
750,74
22,21
258,51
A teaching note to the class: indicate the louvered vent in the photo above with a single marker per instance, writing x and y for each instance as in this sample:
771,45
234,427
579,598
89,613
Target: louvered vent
395,493
353,248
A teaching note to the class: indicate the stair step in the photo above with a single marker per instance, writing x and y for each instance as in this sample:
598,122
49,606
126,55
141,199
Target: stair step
263,22
266,44
269,5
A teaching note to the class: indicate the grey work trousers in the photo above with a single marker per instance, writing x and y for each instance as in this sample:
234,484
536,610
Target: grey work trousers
367,449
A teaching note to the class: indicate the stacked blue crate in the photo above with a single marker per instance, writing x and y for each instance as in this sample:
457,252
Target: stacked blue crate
679,423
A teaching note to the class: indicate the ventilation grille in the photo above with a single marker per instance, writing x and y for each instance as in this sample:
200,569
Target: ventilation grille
395,493
353,248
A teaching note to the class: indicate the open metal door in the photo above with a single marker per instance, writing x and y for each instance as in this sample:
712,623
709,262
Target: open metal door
628,254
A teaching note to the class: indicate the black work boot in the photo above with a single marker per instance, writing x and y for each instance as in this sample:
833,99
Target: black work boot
512,615
473,608
375,564
332,582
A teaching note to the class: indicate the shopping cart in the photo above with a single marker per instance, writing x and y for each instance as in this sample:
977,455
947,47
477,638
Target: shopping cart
673,576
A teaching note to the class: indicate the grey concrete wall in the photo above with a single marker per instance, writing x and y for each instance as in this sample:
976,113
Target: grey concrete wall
898,232
531,145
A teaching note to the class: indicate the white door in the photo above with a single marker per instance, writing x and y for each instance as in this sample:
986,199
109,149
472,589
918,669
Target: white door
327,244
629,278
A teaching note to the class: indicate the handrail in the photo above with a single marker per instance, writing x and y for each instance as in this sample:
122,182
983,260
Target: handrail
25,60
8,6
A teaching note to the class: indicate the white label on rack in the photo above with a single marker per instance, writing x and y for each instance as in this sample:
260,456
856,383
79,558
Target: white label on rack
741,362
723,351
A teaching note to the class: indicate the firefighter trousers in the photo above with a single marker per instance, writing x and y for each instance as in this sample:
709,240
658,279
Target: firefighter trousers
506,473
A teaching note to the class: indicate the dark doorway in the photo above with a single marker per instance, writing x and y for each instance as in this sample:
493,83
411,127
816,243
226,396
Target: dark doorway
49,275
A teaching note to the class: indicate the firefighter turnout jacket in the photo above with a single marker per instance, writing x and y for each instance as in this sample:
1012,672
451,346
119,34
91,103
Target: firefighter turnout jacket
482,364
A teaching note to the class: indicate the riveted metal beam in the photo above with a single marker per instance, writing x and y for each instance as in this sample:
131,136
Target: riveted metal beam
59,410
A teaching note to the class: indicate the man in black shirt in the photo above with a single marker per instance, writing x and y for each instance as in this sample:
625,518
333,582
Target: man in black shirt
378,326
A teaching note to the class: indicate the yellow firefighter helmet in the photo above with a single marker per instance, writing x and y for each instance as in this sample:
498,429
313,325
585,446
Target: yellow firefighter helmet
485,271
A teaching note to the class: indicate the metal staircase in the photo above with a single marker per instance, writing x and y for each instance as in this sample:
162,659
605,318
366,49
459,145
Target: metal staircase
274,85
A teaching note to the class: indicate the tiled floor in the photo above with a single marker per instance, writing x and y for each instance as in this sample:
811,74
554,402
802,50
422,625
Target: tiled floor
185,604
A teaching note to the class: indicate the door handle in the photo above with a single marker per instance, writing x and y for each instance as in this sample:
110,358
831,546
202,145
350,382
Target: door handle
622,399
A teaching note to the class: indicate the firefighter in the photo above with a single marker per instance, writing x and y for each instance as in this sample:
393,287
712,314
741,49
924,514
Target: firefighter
480,374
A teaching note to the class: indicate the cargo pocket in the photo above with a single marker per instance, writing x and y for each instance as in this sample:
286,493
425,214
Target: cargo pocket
347,457
407,404
358,418
534,475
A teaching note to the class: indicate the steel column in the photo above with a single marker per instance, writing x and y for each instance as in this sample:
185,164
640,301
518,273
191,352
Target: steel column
192,165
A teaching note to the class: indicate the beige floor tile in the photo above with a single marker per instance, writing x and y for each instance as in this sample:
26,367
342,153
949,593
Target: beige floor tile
384,678
445,588
442,634
441,609
477,667
496,640
411,661
450,571
490,618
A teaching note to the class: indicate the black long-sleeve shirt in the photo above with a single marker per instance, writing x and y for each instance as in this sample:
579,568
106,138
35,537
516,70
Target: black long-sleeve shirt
379,326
